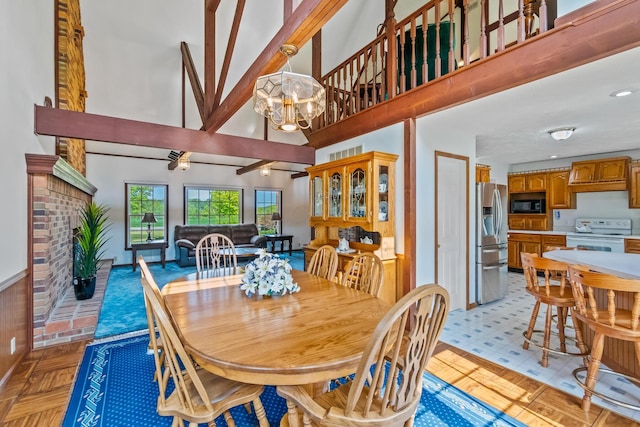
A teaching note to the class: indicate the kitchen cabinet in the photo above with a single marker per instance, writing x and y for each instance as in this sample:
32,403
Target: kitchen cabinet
357,190
530,243
526,183
517,243
634,189
599,175
539,222
559,195
632,246
483,173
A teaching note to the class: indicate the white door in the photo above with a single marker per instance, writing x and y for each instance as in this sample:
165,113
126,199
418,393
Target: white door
452,241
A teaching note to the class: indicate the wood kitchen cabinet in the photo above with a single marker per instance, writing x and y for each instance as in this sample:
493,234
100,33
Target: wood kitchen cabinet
530,243
559,195
526,183
483,173
632,246
634,190
600,175
538,222
517,243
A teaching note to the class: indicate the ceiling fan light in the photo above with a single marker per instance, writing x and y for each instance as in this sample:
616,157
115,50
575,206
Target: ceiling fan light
560,134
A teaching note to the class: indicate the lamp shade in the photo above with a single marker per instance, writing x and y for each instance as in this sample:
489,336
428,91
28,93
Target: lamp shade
148,217
276,216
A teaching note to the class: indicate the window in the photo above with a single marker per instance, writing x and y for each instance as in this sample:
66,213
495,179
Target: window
268,202
142,199
205,205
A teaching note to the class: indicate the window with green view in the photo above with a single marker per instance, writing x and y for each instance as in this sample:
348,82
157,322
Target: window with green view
267,203
213,205
142,199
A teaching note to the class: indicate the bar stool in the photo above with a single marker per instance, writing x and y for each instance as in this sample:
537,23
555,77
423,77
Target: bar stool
601,305
553,295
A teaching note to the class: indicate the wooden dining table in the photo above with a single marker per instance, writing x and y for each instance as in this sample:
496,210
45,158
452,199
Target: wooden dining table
307,337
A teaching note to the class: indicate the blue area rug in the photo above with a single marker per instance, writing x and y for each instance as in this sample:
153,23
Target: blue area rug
123,305
115,387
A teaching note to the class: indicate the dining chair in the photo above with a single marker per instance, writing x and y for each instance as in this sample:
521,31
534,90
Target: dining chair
387,385
198,396
216,255
324,262
555,292
155,342
364,273
598,298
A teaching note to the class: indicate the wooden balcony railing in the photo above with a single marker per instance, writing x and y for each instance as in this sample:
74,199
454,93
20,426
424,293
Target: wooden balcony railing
378,72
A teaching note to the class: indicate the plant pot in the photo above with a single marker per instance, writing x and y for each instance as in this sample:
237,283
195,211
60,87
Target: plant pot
84,287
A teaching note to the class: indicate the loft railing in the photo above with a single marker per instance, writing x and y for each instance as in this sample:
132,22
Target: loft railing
378,72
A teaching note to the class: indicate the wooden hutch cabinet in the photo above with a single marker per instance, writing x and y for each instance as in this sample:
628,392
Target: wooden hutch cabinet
356,191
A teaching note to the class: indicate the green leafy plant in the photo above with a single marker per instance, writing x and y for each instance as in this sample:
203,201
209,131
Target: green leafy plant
91,238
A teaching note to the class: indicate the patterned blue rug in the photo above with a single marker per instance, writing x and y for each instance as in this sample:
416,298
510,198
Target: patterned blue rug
114,387
123,305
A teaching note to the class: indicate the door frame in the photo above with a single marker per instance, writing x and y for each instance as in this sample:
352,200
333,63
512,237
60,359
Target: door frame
437,155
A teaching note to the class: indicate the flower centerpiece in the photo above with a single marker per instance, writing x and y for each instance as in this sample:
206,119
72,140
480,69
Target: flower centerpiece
268,275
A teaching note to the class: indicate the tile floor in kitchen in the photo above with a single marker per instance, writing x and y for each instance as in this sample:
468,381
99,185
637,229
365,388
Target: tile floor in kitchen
494,332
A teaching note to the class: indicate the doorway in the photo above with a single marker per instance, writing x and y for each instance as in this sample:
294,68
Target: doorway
452,226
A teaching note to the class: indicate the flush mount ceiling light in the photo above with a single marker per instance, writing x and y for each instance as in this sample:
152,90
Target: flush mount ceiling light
560,134
289,100
622,92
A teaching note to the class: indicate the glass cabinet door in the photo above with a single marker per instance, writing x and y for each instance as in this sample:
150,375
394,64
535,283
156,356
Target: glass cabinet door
383,193
358,193
335,194
318,196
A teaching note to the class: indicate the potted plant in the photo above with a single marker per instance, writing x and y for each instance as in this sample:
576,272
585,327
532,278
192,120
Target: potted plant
90,241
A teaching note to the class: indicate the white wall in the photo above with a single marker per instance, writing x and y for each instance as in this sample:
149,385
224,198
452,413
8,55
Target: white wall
26,77
433,136
110,173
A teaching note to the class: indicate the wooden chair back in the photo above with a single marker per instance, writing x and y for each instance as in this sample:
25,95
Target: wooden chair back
387,385
555,274
155,342
364,273
324,263
216,255
599,302
563,248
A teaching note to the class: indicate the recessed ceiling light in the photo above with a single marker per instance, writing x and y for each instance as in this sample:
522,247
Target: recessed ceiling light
553,156
622,92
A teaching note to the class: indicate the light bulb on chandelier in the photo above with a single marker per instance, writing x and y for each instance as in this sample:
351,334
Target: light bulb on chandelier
289,100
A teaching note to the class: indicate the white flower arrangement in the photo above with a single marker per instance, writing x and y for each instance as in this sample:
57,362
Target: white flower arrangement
268,275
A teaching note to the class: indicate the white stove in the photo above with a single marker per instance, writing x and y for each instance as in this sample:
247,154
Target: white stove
600,234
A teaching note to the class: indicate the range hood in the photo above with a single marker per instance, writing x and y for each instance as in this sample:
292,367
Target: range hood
600,175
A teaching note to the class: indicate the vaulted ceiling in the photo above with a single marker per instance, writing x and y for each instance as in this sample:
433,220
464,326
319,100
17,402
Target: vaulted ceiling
133,61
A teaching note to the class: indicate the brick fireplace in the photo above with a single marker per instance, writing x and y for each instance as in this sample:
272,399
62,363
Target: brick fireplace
57,192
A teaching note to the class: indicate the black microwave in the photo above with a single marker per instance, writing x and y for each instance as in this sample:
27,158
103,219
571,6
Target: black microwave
528,206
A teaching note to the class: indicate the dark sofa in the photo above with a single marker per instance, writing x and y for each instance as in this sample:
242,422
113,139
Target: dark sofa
186,237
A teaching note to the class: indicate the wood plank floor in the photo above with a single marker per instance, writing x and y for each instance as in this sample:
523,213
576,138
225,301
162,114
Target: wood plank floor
38,392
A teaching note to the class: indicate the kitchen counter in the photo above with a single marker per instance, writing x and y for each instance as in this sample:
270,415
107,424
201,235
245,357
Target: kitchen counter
622,265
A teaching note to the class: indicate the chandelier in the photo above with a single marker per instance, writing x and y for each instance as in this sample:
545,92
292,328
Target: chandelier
289,100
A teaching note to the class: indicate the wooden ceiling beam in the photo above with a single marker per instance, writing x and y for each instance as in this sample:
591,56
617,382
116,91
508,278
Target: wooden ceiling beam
559,49
198,94
209,58
73,124
304,22
233,36
252,167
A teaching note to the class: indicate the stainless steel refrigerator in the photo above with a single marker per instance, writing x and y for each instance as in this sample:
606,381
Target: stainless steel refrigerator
491,242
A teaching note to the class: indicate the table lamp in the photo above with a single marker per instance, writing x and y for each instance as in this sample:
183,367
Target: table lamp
276,217
149,218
